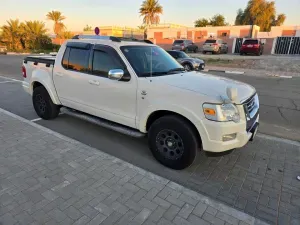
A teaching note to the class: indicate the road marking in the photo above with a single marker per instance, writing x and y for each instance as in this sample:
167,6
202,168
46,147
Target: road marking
235,72
286,77
4,82
10,79
38,119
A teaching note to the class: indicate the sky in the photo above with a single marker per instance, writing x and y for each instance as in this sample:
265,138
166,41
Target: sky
125,12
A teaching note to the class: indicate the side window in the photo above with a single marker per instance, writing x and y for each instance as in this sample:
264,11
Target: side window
103,62
78,59
65,60
173,54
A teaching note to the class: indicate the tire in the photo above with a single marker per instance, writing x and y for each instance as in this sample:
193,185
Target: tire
188,67
43,105
196,50
169,130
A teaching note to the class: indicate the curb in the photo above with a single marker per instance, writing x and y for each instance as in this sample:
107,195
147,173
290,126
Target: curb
225,71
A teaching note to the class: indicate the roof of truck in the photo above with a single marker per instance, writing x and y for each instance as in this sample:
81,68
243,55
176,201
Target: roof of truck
110,40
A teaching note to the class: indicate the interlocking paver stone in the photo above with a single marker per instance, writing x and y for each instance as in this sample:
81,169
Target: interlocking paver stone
47,178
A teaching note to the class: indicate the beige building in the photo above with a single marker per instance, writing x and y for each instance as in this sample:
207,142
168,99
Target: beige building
165,34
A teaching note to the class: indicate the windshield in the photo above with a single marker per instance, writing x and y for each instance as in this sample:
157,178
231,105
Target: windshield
249,42
210,41
178,42
151,61
182,55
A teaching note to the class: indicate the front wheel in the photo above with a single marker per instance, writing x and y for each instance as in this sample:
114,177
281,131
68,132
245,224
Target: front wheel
43,104
187,67
173,142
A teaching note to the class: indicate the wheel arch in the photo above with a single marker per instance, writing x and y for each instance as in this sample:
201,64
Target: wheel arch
38,83
188,63
160,113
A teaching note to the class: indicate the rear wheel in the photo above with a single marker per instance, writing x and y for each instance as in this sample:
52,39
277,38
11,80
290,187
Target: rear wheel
173,142
43,104
196,50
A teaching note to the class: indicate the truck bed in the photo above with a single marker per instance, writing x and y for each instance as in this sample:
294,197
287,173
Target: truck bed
48,60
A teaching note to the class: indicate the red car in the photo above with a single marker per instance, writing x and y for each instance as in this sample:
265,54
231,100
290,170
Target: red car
252,46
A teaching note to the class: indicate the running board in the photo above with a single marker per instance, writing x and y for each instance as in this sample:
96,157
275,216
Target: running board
102,122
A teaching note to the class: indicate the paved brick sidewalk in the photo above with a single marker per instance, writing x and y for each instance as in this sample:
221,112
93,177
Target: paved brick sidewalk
46,178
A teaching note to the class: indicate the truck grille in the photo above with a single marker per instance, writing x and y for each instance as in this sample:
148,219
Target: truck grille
251,108
250,104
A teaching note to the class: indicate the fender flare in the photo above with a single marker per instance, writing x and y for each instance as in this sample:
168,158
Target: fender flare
44,79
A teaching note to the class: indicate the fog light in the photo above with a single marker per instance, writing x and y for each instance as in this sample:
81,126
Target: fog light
229,137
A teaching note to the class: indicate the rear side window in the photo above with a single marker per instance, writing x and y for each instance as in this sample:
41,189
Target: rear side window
78,59
103,62
65,60
250,42
210,41
178,42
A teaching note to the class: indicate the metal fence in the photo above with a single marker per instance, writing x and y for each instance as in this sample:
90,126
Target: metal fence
238,45
287,46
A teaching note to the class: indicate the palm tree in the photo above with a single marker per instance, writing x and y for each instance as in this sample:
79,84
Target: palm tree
150,10
10,33
57,17
35,32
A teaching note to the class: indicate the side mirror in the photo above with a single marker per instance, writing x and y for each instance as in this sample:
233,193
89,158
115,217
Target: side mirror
116,74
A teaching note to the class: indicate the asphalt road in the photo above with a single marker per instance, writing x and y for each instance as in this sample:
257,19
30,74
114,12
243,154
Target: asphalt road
247,178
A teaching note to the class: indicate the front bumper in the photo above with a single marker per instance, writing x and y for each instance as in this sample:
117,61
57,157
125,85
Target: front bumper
201,66
212,142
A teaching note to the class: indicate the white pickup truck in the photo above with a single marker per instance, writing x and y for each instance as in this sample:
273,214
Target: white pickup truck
137,88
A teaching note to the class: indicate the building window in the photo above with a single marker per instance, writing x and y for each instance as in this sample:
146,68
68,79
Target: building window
224,34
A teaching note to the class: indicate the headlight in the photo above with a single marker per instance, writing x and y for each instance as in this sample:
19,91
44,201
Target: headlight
221,113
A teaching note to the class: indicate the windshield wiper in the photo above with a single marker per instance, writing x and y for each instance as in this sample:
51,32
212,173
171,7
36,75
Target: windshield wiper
181,69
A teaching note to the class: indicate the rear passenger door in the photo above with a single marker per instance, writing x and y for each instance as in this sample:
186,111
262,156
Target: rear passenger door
71,77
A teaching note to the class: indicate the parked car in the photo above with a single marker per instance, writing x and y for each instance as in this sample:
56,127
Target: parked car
186,61
138,89
252,46
3,50
185,45
215,46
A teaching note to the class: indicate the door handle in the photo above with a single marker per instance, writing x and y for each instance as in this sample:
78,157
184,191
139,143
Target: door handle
94,82
59,74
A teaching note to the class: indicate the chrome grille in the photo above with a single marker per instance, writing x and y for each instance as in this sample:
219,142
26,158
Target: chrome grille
251,107
251,104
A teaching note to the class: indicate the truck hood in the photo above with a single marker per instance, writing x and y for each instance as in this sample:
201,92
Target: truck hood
210,85
192,60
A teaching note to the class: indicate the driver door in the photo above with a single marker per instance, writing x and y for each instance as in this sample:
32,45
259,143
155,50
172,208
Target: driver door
114,99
